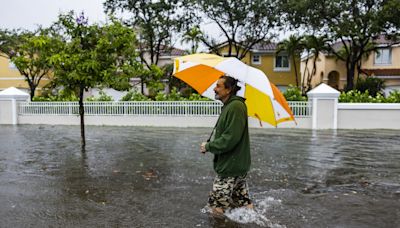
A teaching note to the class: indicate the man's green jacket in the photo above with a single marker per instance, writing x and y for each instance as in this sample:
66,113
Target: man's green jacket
229,141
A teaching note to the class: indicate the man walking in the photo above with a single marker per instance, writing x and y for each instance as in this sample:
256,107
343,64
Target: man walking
230,144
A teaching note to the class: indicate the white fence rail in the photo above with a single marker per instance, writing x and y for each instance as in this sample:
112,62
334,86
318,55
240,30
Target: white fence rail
168,108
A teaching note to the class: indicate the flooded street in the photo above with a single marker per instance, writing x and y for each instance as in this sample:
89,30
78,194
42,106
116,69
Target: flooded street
156,177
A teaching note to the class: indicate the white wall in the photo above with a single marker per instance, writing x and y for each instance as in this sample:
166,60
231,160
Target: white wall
161,121
369,116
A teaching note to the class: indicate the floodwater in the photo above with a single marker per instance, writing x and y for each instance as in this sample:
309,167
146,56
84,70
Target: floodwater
155,177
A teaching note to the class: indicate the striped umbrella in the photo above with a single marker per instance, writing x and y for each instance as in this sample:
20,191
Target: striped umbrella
263,99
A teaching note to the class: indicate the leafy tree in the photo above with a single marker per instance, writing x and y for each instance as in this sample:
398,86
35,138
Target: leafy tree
156,22
293,46
31,52
355,24
314,45
9,40
93,55
193,36
242,23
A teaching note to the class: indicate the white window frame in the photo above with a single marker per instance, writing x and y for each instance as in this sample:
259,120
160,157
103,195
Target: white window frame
378,59
280,69
253,61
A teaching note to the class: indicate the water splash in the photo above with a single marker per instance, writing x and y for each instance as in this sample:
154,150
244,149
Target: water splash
256,215
251,216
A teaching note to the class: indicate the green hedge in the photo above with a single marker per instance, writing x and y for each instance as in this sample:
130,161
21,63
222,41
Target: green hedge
355,96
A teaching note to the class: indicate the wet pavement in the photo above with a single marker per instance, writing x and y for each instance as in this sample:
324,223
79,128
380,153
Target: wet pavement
155,177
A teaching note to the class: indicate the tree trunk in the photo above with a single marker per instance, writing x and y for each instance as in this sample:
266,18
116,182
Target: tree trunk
303,81
313,72
350,76
142,86
32,91
82,116
32,87
295,72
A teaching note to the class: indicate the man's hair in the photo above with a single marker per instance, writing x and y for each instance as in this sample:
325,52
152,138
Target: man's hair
231,83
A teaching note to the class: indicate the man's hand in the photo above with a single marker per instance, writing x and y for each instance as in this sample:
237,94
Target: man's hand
203,147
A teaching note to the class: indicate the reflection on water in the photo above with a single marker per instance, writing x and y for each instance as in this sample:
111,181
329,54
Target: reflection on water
155,177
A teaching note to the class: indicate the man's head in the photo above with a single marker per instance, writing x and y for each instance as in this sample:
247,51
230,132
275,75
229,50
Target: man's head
226,86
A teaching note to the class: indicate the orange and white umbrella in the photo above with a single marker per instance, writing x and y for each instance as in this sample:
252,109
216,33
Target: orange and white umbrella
263,99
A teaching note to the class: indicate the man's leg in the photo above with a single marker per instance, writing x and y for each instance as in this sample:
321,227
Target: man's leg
220,196
240,194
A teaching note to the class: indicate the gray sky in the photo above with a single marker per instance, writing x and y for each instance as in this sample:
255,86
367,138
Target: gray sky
28,14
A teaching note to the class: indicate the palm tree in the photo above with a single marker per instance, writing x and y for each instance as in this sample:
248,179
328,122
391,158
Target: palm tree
314,45
293,46
193,36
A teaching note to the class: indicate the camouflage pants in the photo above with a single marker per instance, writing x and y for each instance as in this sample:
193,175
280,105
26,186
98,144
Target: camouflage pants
229,192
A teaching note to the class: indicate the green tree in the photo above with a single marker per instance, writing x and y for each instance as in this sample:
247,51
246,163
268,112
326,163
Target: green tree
194,37
242,23
9,40
31,53
293,46
92,56
355,24
156,23
314,45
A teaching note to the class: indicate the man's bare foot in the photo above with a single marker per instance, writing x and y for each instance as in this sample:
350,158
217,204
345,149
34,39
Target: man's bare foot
250,206
217,211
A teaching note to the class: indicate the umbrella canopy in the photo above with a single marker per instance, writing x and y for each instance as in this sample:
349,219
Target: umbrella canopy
263,99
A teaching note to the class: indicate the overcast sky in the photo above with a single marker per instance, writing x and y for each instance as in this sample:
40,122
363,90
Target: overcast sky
28,14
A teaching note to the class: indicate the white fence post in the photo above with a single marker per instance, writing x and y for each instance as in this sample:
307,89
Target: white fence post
324,107
9,105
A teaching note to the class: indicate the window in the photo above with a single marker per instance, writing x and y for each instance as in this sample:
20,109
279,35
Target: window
282,62
383,56
256,59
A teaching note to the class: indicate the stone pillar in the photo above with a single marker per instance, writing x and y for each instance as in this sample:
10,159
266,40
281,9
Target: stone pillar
324,107
9,105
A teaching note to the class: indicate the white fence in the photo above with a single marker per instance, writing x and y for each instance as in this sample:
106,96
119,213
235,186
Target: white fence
145,108
322,111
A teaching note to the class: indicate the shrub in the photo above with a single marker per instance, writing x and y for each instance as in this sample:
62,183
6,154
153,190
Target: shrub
197,97
63,95
355,96
103,97
134,95
294,94
174,95
373,85
394,97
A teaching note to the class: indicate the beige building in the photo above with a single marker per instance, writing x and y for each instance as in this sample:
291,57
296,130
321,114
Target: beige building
278,67
10,77
384,64
166,57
